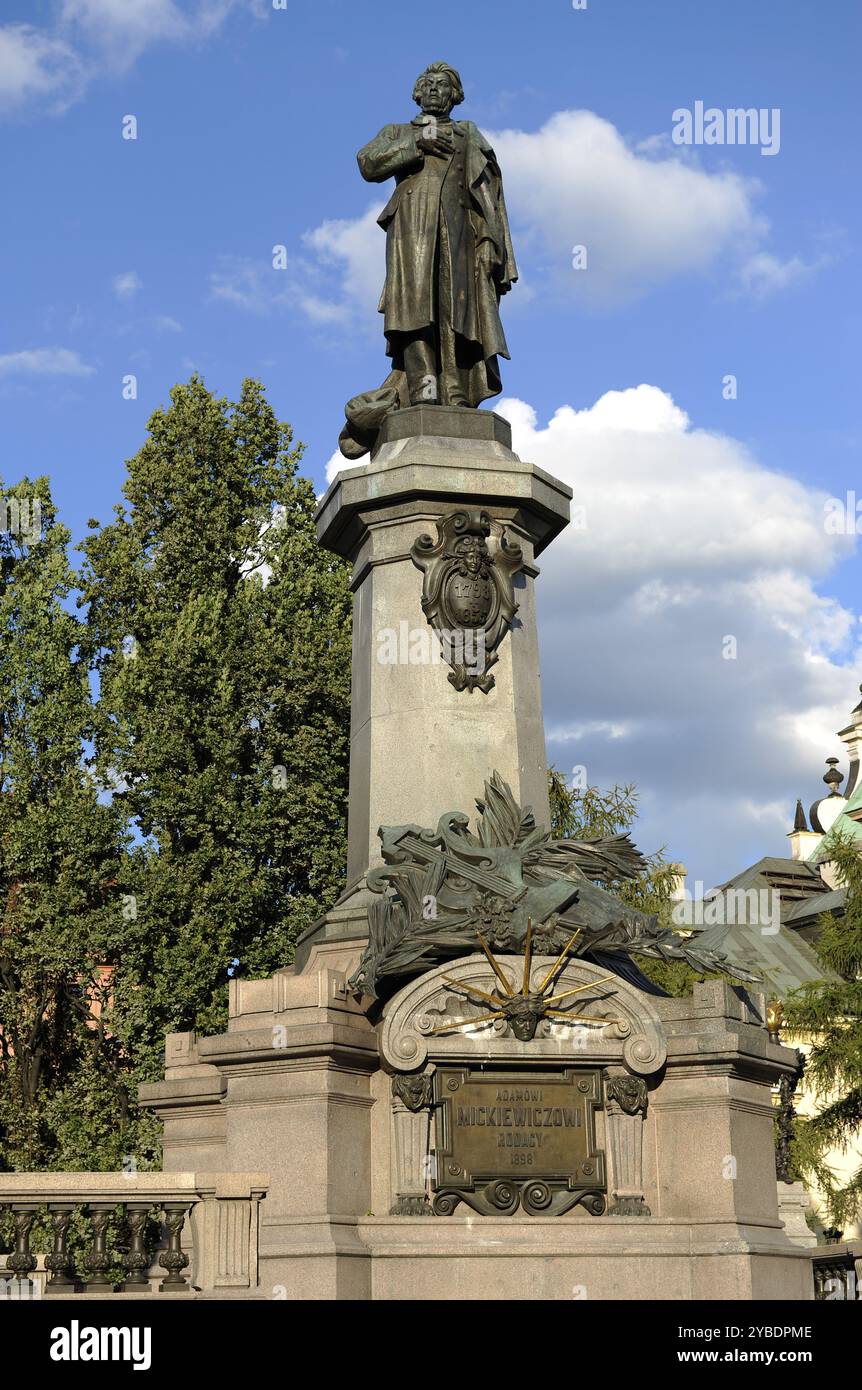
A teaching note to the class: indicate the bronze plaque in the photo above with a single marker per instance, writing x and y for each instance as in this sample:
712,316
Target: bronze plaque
517,1137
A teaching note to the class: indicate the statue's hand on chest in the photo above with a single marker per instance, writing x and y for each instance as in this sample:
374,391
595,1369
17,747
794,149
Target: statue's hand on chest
436,140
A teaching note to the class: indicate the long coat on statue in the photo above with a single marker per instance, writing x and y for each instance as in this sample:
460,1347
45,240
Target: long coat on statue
465,191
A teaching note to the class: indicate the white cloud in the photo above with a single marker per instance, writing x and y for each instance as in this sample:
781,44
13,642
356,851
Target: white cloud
763,274
356,248
122,29
644,219
257,288
47,70
127,284
336,462
44,362
688,540
704,491
322,310
37,71
338,281
248,285
125,29
151,323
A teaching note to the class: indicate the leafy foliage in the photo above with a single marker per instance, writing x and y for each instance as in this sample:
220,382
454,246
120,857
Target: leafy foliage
222,643
828,1013
61,867
577,813
189,823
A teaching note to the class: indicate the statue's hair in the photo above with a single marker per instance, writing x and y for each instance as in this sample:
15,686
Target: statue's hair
453,75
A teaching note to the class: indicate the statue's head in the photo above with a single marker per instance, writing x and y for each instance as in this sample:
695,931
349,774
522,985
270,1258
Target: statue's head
438,89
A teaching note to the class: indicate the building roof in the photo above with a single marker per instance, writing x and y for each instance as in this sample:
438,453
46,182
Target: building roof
795,880
848,821
851,814
784,960
806,912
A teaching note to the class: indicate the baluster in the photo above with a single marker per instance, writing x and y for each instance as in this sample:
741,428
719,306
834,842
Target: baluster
122,1242
59,1262
21,1261
174,1260
98,1262
137,1259
4,1272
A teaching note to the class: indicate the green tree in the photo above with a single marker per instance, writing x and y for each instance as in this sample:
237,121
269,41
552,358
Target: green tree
828,1014
222,637
581,813
61,856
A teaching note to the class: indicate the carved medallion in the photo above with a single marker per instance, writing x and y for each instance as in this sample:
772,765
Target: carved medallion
468,593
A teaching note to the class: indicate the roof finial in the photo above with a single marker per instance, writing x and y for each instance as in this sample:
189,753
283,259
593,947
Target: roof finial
833,778
800,823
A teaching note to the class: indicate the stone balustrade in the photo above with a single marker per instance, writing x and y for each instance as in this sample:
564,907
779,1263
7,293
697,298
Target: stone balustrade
209,1233
837,1272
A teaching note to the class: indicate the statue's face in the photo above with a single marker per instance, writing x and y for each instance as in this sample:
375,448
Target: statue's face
523,1014
435,92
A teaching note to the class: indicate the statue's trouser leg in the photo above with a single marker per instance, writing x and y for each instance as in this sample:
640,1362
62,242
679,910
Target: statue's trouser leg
420,366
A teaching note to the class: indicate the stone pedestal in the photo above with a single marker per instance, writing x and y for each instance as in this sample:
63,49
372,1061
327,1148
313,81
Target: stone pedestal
419,747
295,1072
668,1189
305,1086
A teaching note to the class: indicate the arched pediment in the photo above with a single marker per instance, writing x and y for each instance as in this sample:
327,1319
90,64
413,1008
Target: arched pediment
444,1016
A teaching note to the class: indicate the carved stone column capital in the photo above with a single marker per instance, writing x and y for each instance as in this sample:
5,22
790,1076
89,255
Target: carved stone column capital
626,1094
412,1096
626,1102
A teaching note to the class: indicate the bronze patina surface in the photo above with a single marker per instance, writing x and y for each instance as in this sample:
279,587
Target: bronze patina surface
509,1138
449,260
487,887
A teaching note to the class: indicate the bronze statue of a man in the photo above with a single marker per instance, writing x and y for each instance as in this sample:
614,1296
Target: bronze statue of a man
449,259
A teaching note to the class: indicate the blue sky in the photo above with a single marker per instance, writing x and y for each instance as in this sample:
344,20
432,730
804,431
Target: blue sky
154,257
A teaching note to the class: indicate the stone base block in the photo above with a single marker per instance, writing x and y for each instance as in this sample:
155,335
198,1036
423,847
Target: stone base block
793,1203
338,938
308,1258
462,1258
